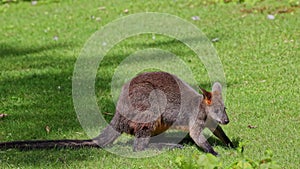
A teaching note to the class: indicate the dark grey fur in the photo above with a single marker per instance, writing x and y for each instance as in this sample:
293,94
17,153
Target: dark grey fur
150,104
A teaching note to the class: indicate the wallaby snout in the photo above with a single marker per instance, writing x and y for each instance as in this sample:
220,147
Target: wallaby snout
225,121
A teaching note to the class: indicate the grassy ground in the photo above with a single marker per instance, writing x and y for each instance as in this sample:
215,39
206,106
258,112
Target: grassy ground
39,45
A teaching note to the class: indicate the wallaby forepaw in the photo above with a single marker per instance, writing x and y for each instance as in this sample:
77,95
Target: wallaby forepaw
175,146
179,146
216,154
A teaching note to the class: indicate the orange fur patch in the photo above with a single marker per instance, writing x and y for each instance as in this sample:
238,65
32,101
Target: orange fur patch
159,127
182,128
207,101
160,130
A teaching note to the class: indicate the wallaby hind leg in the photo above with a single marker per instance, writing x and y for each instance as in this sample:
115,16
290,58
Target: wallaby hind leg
142,138
218,132
141,143
107,136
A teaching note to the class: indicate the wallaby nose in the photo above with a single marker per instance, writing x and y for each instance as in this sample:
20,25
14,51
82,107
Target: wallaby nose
226,121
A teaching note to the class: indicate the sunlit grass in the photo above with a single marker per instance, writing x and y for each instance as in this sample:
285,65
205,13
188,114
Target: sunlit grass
39,45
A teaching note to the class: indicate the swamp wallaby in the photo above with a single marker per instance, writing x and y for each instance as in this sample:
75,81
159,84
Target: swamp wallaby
150,104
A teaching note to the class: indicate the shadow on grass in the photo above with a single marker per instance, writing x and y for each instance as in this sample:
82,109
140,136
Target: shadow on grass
187,140
174,42
43,158
8,50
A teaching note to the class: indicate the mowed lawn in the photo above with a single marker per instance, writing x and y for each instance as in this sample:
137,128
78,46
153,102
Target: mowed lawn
257,43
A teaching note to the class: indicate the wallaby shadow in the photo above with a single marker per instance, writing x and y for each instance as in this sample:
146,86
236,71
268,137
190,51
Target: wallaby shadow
164,141
213,141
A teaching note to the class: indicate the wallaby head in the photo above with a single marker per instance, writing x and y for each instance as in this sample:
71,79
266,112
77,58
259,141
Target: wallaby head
214,104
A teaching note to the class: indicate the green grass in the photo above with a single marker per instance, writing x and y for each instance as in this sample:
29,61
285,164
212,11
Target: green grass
260,59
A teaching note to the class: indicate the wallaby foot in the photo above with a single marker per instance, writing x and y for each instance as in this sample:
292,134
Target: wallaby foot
210,150
207,148
141,143
161,146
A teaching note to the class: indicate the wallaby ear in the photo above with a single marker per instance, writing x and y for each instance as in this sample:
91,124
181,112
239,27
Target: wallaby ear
207,96
217,87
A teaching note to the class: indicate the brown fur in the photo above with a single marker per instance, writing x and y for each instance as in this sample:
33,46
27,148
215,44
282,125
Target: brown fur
150,104
174,104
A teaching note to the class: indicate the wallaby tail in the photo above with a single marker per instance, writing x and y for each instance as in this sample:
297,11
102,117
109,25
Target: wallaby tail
48,144
107,136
